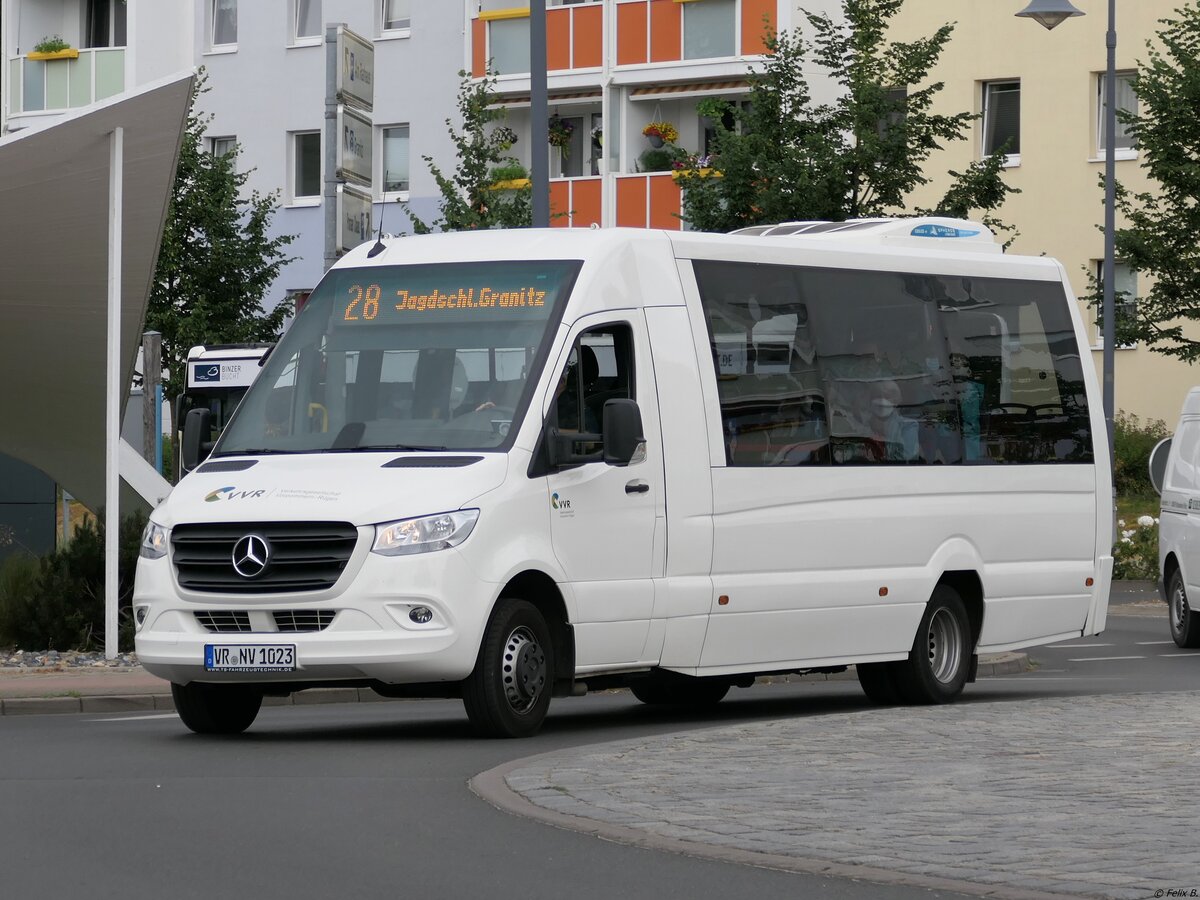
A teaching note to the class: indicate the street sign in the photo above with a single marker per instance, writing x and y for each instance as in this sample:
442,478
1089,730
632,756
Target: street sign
353,217
355,138
356,69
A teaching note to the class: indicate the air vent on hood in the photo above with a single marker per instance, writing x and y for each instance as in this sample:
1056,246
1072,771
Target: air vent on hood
431,462
232,465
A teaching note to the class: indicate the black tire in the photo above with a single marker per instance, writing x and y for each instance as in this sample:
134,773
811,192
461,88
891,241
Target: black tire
1185,622
940,660
670,689
508,693
878,682
216,708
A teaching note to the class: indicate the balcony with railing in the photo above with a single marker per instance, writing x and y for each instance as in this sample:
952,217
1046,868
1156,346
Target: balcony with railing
574,39
662,31
54,85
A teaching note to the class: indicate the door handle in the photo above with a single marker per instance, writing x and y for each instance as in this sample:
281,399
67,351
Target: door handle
637,486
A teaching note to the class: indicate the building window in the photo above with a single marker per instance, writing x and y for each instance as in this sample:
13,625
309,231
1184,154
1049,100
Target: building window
1124,299
306,21
221,146
396,15
1126,102
224,22
105,24
395,159
710,29
306,165
895,110
1002,119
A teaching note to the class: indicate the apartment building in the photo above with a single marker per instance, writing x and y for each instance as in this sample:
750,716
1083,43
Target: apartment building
1042,93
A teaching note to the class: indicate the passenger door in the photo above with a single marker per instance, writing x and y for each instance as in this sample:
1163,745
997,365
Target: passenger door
608,521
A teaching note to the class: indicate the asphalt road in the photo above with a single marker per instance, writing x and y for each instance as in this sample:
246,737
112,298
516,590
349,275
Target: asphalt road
371,800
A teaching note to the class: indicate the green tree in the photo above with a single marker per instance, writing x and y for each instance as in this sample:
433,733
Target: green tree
481,146
217,260
1160,239
784,157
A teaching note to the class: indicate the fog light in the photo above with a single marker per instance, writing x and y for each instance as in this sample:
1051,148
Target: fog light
139,615
422,615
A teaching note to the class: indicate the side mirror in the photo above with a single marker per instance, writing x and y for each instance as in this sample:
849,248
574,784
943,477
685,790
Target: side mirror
622,431
197,429
1158,463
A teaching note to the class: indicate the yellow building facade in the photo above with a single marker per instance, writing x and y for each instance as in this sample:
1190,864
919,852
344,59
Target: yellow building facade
1058,78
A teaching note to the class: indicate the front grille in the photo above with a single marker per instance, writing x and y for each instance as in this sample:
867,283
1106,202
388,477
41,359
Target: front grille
304,556
224,621
303,619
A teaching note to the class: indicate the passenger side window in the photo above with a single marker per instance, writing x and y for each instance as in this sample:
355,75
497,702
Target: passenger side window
599,368
842,367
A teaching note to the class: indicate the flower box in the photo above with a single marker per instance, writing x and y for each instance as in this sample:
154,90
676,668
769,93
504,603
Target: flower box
69,53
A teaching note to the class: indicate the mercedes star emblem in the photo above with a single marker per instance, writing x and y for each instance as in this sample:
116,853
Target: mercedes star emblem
251,555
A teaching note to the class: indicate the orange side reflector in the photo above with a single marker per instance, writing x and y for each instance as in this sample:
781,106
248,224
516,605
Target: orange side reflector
883,592
723,600
1090,582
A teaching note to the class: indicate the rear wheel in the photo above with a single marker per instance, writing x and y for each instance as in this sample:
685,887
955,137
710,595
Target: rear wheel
216,708
508,693
878,682
1185,622
940,660
669,689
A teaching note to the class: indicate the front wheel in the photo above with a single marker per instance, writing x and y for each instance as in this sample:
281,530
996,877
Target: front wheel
940,660
508,693
1185,623
216,708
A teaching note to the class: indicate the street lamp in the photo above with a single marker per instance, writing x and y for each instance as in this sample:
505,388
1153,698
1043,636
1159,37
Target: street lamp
1051,13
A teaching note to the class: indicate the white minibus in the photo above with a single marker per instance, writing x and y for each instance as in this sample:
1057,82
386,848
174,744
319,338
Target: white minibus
511,465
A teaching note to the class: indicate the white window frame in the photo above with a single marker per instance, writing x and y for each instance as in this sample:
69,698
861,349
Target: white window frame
389,34
1011,160
214,140
296,39
292,162
1097,330
1101,87
213,46
387,196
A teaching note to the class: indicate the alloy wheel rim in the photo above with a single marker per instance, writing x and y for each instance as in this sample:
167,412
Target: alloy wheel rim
944,642
523,670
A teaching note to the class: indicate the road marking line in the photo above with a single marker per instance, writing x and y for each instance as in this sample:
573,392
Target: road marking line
1152,643
1178,655
137,718
1103,658
1073,646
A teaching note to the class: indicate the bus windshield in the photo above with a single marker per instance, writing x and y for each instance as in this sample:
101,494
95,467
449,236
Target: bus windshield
429,357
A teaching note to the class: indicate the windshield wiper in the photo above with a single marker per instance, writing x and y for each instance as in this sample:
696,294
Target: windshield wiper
385,448
257,451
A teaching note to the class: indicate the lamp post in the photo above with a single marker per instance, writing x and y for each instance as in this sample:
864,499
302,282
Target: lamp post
1051,13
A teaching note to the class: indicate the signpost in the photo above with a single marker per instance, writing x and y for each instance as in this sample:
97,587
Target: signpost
349,140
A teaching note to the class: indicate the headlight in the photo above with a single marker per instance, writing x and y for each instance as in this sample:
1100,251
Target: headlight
425,534
154,542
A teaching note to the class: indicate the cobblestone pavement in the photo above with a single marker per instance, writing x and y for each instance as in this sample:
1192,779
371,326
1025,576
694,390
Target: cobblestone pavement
1092,796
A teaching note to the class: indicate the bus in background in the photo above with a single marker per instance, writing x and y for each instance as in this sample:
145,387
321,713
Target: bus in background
217,378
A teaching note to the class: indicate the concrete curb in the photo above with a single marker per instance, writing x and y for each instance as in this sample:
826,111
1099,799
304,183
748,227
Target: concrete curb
492,787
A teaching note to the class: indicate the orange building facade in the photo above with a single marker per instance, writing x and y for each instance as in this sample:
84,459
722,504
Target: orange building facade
613,67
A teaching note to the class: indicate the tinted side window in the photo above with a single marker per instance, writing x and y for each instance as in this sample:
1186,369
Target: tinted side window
841,367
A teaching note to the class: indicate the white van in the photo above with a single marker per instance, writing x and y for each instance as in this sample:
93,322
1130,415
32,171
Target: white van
516,464
1175,471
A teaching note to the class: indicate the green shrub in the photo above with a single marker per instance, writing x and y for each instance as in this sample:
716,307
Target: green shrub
57,603
1135,555
1132,443
510,172
661,159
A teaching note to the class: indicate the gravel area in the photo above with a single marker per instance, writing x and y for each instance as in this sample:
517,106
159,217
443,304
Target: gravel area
55,660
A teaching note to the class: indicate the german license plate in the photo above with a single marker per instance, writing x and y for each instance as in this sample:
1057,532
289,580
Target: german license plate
249,657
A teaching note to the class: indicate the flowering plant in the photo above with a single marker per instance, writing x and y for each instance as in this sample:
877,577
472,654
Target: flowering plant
702,161
560,131
1135,554
664,131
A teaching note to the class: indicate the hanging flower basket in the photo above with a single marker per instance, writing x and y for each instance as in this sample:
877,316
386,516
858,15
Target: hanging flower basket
659,133
559,132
